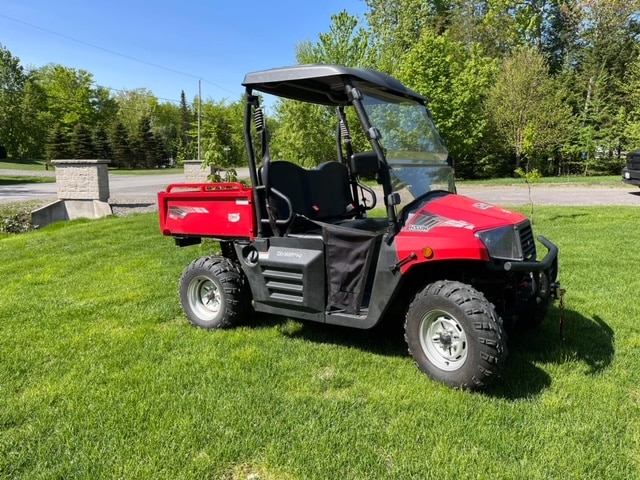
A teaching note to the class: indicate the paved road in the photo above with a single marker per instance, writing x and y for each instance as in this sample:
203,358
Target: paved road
123,188
555,195
144,188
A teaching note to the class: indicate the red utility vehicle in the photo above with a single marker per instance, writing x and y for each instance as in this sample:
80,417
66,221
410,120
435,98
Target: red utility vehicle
308,244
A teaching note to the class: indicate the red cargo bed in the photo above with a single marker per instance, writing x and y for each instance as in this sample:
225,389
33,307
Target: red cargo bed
218,210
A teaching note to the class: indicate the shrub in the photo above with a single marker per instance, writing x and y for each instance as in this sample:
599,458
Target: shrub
16,218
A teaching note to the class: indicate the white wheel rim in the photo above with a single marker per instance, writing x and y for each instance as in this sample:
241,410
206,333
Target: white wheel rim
205,298
443,340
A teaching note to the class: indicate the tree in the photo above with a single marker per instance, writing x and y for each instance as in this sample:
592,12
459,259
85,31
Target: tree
70,95
82,143
135,105
33,131
304,132
396,26
609,32
121,147
101,144
146,147
58,143
456,80
345,44
527,108
186,119
12,85
166,127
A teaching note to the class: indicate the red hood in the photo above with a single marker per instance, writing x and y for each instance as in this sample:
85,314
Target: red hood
456,211
446,226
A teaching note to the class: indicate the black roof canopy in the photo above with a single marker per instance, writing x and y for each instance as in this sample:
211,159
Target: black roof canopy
324,84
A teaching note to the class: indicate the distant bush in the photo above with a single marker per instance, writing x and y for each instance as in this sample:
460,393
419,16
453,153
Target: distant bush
3,153
16,218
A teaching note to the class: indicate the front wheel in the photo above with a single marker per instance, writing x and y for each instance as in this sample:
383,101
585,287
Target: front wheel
455,336
213,294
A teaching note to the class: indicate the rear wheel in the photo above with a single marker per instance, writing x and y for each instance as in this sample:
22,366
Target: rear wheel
213,294
455,336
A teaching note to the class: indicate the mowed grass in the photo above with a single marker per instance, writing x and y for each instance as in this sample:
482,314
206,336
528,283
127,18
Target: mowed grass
19,180
101,376
15,164
580,180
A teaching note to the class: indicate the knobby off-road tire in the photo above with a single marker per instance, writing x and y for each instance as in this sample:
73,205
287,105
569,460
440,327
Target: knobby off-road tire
213,293
455,336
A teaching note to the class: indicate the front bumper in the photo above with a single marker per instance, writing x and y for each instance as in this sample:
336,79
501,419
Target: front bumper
544,273
546,263
632,177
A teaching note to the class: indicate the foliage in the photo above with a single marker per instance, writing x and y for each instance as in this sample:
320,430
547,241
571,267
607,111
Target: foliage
529,175
306,133
101,144
16,218
12,84
82,143
526,108
456,80
120,146
72,97
147,150
59,143
222,133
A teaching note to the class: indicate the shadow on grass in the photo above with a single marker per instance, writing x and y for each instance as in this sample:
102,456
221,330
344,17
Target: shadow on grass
586,341
589,342
385,339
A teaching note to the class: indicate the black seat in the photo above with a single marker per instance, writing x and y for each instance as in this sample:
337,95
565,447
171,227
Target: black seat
290,180
322,193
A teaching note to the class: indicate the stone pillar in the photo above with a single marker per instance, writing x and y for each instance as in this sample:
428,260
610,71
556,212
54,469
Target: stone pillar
196,172
82,179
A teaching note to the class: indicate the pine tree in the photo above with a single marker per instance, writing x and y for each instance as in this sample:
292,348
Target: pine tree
82,143
144,146
102,146
120,145
186,118
58,145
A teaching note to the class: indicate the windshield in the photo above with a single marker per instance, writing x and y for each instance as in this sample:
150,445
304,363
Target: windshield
413,147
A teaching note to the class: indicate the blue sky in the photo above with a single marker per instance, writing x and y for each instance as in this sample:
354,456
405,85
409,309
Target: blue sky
122,43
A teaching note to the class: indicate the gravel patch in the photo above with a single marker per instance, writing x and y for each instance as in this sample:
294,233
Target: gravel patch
128,206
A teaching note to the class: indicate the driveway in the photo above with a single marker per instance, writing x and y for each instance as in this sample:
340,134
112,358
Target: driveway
123,188
141,189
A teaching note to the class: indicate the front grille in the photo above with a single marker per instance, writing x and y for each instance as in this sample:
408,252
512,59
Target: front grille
633,161
527,242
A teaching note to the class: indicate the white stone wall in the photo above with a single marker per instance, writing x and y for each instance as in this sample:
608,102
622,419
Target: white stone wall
194,173
82,179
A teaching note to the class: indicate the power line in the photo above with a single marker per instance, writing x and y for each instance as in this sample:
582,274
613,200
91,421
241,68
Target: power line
113,52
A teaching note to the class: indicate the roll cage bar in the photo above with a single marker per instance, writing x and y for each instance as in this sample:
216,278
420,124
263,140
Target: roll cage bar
329,85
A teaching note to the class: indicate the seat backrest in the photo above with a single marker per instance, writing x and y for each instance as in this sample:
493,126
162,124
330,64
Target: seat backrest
323,193
290,180
331,191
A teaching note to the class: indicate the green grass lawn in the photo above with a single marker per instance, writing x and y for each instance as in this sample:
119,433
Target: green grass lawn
39,165
18,180
101,376
608,180
12,164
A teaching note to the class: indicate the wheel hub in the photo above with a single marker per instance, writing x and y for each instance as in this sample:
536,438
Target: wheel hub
204,297
443,340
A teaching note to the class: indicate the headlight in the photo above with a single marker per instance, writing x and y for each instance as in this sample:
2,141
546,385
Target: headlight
503,243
